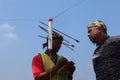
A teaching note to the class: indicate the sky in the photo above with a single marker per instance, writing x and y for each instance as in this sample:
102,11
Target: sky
19,41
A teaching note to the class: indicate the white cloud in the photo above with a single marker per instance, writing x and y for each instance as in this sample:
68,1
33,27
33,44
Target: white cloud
6,31
6,27
10,35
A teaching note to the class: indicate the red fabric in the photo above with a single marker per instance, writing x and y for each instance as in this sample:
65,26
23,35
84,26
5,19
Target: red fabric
37,66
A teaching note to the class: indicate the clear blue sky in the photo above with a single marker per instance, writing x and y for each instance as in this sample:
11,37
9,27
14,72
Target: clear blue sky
19,20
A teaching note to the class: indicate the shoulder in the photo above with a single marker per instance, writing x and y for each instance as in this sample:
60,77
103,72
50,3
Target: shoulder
37,58
59,55
37,66
113,39
111,46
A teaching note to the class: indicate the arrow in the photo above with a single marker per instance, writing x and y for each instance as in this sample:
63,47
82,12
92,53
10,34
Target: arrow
61,32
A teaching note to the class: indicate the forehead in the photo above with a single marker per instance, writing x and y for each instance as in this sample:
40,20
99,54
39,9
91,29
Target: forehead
92,28
57,39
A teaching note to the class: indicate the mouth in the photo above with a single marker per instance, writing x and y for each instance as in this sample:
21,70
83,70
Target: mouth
91,39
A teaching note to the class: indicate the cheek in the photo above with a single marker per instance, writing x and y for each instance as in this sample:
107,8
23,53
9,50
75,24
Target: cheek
94,33
56,45
93,36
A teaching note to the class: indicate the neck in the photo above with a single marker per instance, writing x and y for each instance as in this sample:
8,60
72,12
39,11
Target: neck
102,40
53,56
49,52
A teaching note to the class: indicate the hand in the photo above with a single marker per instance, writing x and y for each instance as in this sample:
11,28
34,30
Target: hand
69,68
61,63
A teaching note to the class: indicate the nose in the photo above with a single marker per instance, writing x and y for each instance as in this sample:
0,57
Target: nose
88,34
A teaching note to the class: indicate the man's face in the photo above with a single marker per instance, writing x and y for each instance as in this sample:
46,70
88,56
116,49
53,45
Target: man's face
56,45
94,34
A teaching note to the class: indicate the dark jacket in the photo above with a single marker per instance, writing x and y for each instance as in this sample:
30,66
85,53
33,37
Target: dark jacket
106,59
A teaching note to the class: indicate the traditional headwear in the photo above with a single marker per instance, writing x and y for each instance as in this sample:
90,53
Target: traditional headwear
97,23
55,35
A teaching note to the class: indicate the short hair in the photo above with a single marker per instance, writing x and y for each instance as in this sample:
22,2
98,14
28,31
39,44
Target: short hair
98,23
56,35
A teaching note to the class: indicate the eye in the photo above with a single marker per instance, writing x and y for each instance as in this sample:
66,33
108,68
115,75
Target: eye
58,42
89,31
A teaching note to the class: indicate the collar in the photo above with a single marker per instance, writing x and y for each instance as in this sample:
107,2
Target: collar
53,56
105,38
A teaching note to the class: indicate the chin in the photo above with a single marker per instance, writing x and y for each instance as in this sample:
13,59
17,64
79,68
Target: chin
57,50
94,42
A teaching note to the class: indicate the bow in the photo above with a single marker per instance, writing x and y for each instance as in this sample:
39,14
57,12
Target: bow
51,30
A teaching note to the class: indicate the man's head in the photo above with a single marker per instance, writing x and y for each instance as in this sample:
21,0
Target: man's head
56,35
56,42
96,30
98,24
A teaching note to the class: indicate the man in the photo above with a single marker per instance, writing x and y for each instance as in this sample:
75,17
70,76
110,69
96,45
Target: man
51,66
106,57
